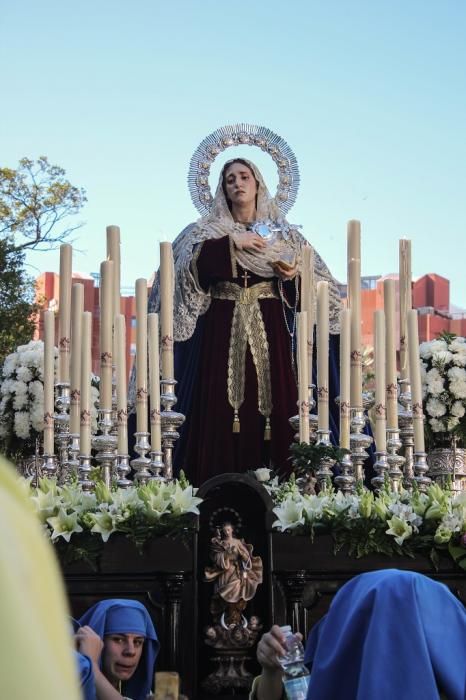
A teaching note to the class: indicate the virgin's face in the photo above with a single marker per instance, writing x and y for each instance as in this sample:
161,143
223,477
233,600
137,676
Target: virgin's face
240,184
228,530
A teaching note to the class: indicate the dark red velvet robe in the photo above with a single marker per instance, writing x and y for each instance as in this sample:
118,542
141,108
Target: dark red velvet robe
212,447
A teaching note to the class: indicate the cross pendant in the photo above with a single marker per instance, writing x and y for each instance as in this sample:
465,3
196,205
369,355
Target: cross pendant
245,277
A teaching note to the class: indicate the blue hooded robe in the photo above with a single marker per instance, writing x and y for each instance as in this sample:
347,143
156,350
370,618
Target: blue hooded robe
389,635
119,616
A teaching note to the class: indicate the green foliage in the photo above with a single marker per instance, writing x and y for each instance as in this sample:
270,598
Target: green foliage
35,200
17,306
306,457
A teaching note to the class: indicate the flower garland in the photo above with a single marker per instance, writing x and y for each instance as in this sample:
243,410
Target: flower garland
87,520
391,523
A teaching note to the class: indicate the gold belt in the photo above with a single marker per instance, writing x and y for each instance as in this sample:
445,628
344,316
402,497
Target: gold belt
247,328
244,295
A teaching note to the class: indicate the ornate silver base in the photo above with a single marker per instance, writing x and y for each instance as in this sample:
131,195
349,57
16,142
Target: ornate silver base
171,421
420,471
62,428
346,481
141,464
105,445
405,420
122,470
381,469
85,469
324,473
359,442
448,464
395,461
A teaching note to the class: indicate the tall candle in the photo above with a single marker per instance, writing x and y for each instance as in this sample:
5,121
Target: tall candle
64,310
77,308
166,309
49,381
354,303
106,326
307,299
322,355
154,373
390,359
345,342
121,384
303,378
141,355
86,365
415,377
113,254
380,383
405,303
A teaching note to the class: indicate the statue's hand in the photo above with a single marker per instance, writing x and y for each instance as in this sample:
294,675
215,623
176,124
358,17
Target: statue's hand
285,271
249,241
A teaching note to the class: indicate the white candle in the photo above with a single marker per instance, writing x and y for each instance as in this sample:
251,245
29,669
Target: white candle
106,325
345,342
322,355
390,346
166,309
86,364
303,378
113,254
354,303
141,355
49,381
121,384
415,377
154,372
77,308
64,310
380,383
405,303
307,299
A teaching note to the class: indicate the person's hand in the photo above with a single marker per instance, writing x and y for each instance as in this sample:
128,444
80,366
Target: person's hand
270,648
89,643
249,241
284,271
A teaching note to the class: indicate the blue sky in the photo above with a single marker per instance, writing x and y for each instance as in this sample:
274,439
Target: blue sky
371,96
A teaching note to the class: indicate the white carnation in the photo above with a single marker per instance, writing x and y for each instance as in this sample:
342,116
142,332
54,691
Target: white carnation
457,377
434,382
442,357
452,422
435,408
428,349
37,417
24,374
10,364
22,424
458,409
436,425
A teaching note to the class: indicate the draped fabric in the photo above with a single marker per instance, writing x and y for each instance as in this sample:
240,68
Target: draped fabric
120,616
86,676
390,635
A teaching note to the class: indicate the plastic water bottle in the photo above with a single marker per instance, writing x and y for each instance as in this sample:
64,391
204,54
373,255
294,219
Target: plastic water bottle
295,672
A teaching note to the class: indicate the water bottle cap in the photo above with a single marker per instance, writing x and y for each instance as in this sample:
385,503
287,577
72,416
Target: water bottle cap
285,629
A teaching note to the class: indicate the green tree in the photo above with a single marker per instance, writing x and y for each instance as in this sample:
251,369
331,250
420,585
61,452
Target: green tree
17,306
36,202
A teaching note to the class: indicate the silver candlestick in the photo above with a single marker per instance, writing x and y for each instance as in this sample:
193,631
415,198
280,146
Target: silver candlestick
85,469
420,471
381,470
405,420
156,465
141,464
62,427
395,461
73,454
105,445
313,419
49,466
359,442
346,481
171,421
324,472
122,471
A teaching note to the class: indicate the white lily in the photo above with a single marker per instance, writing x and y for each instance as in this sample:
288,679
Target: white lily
104,524
399,528
184,501
289,514
64,524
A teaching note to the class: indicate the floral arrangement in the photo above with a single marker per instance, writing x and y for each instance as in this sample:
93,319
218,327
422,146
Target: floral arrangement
391,523
443,367
22,399
86,520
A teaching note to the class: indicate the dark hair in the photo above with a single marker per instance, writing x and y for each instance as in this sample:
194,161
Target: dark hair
225,168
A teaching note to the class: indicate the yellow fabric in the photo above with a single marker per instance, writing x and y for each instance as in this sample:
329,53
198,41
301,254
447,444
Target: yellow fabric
36,657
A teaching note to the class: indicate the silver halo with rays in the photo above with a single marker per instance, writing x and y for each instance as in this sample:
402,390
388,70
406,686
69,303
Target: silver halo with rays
243,135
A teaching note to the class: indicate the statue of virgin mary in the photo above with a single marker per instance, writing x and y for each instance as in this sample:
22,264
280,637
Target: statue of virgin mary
237,286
